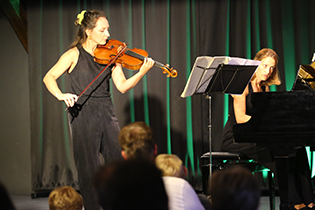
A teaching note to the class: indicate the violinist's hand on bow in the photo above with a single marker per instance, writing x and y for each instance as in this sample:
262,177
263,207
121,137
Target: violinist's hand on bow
68,98
147,65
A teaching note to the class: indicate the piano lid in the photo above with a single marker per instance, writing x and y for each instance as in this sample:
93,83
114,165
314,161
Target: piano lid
279,117
305,78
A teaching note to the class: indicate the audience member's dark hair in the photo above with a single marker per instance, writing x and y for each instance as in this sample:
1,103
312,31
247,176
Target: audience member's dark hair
234,189
131,184
5,200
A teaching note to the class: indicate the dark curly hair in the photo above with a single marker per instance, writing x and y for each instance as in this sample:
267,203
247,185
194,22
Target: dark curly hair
88,22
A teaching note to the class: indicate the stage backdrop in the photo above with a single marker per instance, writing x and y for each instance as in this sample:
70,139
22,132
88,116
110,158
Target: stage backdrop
173,32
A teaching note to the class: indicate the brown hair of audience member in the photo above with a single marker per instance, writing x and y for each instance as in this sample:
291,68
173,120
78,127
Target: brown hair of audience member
234,189
65,198
171,165
136,141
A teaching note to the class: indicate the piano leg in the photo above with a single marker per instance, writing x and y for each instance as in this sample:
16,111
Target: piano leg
284,180
294,179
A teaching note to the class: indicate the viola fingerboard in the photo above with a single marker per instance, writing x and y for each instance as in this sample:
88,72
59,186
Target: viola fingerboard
141,57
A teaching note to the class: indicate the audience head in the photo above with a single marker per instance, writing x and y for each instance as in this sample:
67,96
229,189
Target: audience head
234,189
5,200
131,184
65,198
137,141
171,165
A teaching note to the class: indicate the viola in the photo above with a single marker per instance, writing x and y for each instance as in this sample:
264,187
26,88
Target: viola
129,58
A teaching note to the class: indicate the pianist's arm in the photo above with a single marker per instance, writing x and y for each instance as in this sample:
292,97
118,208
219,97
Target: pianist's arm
239,104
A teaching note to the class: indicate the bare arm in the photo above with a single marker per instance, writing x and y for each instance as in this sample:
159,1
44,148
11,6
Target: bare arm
239,104
65,63
123,84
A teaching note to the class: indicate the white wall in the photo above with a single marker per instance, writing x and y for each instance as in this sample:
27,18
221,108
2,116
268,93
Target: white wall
15,160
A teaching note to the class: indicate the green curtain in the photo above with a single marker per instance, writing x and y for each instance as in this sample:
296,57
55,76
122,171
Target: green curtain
173,32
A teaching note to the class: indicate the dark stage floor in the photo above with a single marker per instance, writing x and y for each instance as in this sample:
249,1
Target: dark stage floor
23,202
27,203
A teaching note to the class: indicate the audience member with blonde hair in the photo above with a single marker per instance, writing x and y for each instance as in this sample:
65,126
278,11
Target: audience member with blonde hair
65,198
171,165
180,193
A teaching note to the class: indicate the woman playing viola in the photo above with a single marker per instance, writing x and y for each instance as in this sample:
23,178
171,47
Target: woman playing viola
95,128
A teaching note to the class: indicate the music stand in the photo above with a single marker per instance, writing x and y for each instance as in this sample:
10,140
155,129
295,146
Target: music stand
219,75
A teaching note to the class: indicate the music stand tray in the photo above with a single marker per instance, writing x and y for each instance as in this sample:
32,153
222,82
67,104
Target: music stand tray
219,74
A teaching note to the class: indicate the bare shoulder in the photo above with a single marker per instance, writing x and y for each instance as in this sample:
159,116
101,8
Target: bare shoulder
71,56
72,53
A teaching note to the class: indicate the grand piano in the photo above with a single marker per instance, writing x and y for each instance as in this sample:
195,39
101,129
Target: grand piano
283,122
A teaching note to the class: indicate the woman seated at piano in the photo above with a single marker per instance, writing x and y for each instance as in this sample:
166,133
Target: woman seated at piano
267,74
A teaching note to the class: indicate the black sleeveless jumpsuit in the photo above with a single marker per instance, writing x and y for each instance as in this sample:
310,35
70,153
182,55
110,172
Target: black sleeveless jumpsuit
95,129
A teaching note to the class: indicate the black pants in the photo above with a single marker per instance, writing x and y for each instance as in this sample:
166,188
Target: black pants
94,131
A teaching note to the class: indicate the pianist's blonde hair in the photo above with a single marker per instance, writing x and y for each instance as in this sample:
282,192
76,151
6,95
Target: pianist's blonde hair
274,78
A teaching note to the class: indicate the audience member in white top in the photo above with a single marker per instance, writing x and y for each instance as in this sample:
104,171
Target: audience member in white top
180,193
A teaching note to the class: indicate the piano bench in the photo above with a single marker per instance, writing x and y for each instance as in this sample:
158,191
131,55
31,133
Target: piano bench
224,160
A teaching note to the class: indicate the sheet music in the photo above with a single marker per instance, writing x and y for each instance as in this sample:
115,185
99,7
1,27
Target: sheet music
199,68
237,61
203,70
209,73
243,61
